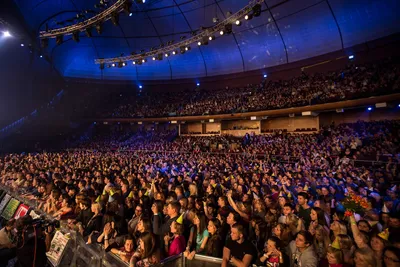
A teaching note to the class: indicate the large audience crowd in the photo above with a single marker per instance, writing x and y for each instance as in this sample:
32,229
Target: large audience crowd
350,83
145,201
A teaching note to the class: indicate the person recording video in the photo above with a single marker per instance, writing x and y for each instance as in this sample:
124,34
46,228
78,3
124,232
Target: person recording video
31,244
7,245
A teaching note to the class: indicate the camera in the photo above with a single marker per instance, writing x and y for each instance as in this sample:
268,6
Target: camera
44,224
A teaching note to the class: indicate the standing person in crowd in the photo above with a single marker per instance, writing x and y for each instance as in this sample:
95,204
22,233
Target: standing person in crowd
238,251
302,251
249,226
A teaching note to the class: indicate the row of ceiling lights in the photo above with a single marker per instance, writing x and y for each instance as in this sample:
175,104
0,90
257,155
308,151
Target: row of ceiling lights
183,49
114,17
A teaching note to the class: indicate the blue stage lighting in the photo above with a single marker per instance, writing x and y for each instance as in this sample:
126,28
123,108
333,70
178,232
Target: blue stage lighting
369,108
351,56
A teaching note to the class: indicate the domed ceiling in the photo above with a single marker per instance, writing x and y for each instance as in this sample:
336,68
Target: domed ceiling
286,31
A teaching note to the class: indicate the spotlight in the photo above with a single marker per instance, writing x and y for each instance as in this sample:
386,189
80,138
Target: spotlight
123,64
102,66
182,49
265,75
154,58
75,36
198,43
398,105
187,48
221,32
166,55
22,45
44,42
59,39
215,20
134,62
41,56
130,14
127,7
228,28
140,1
99,28
369,108
351,57
88,32
115,18
211,38
144,60
198,84
140,87
113,65
174,52
238,23
257,10
6,34
248,17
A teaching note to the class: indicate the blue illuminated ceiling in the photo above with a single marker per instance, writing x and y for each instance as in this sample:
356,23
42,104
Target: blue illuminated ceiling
286,31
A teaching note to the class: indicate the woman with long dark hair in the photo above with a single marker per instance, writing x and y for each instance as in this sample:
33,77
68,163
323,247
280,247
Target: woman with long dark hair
201,235
214,244
147,254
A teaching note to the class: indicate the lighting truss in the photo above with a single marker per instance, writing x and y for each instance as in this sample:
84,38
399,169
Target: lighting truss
199,37
91,22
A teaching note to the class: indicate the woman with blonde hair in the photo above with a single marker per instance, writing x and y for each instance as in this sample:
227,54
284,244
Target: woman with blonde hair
193,189
321,241
364,257
347,247
334,257
338,228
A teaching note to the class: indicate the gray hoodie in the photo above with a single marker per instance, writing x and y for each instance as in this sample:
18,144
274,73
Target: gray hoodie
307,258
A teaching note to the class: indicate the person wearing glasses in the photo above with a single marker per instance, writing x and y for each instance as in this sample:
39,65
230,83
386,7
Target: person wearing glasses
132,224
391,257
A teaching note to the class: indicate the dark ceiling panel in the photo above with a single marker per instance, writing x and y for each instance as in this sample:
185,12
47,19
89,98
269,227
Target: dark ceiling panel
316,35
361,21
261,46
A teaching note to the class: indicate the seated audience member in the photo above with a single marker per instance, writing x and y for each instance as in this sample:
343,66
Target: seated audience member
238,251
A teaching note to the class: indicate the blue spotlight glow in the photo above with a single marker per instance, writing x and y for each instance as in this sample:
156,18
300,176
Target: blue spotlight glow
369,108
130,14
351,56
6,34
41,56
140,87
22,45
398,105
265,75
198,84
